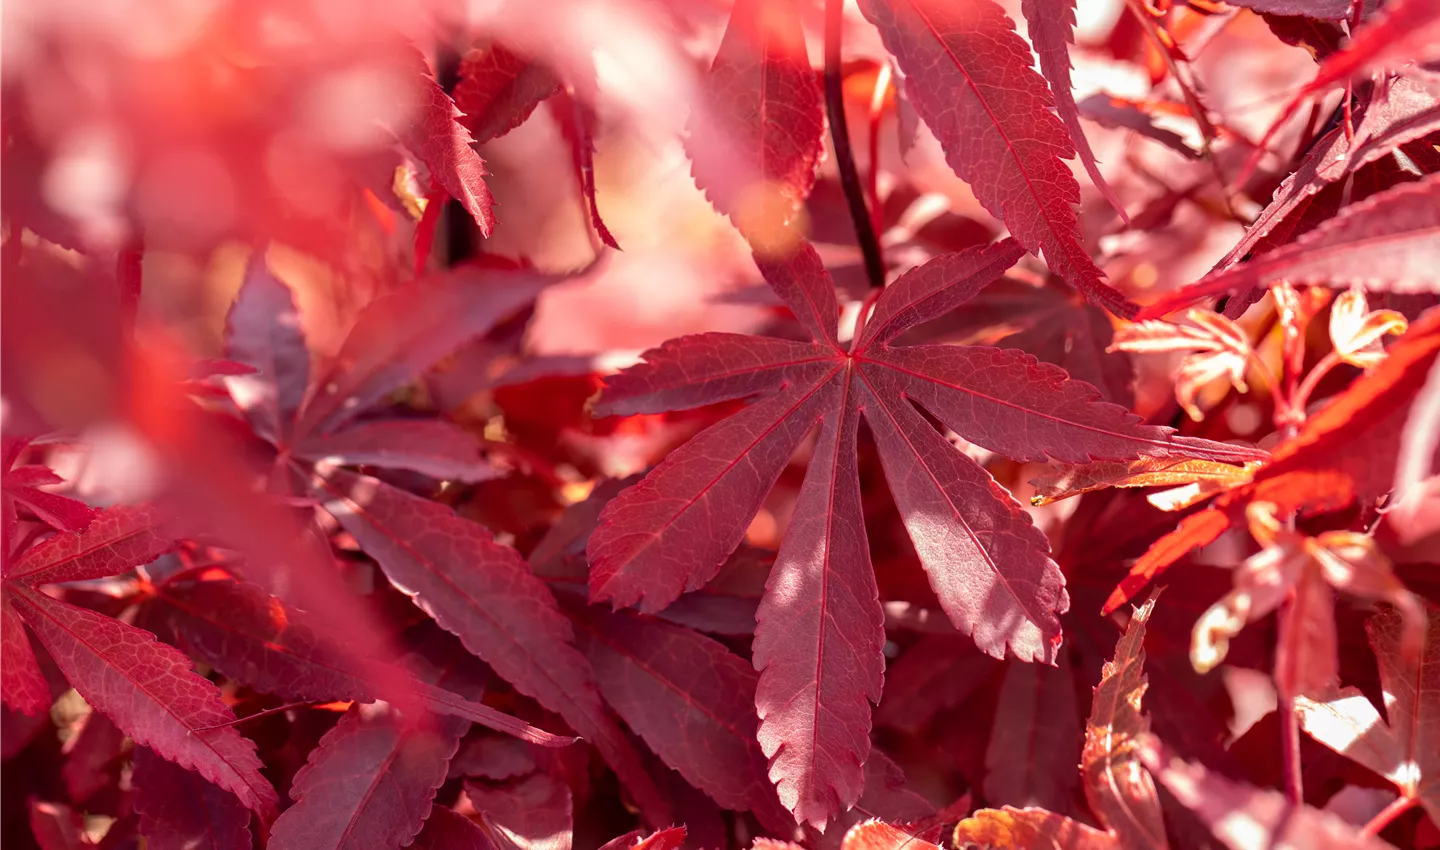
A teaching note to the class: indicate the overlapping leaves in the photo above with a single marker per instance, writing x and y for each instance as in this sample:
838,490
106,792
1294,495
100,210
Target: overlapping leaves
819,631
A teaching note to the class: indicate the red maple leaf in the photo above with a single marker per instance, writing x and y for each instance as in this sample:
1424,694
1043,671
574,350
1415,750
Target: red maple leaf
819,633
147,688
975,88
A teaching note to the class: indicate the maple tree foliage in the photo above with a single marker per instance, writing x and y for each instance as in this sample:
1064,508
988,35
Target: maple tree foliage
551,426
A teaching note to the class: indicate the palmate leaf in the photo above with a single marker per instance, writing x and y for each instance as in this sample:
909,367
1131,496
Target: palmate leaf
971,80
147,688
819,629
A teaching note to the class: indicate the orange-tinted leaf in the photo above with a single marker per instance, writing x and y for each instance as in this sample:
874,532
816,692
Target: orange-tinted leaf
1204,477
1120,793
1023,829
878,835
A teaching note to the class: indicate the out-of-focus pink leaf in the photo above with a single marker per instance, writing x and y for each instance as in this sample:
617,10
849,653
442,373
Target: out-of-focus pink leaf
1035,741
498,89
1412,700
757,133
1403,224
56,826
149,690
1122,114
485,594
430,447
971,80
1243,817
1051,27
405,332
369,783
577,122
179,810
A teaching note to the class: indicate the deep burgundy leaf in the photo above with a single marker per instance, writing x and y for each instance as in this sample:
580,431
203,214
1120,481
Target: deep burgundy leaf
1402,224
438,139
119,540
1035,742
263,329
92,758
936,673
989,566
430,447
757,134
403,333
707,368
1243,817
1412,701
534,813
936,288
370,783
1403,32
498,89
819,633
1051,27
257,640
446,829
971,81
493,757
484,593
181,811
149,690
689,697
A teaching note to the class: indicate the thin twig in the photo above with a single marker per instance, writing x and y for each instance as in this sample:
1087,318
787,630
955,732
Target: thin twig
840,138
1290,746
1378,823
